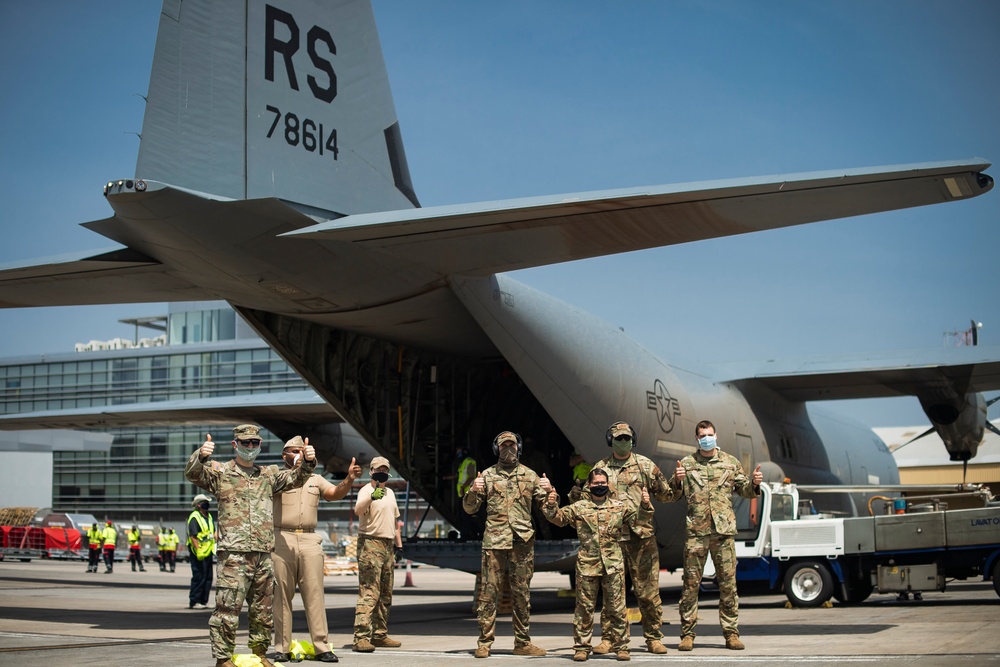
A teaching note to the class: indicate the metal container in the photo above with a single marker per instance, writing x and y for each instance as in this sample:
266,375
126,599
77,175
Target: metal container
905,532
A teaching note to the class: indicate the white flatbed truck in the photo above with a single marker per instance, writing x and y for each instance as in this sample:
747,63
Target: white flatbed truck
813,557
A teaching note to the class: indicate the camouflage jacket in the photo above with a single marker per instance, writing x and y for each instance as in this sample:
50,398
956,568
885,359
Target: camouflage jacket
508,497
625,481
599,527
709,486
246,518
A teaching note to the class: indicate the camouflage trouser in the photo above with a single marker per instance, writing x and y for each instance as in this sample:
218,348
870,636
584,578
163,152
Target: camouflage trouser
642,558
614,624
519,563
723,550
375,578
242,575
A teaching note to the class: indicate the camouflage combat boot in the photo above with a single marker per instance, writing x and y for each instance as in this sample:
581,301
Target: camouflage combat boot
655,646
687,643
733,643
483,652
386,642
624,656
580,656
529,649
603,647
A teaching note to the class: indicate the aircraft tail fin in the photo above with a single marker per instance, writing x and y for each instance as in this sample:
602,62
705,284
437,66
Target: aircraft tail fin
275,98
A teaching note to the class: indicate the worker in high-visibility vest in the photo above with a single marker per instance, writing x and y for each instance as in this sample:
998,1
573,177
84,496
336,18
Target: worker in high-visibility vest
201,546
95,540
110,539
161,546
134,548
170,551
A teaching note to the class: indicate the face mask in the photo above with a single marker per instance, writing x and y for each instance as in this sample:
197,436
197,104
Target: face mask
622,447
508,455
291,460
247,454
203,506
599,491
380,477
707,443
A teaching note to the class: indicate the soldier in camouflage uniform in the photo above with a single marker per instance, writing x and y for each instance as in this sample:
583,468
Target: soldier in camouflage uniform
708,478
628,473
508,488
599,522
244,491
378,534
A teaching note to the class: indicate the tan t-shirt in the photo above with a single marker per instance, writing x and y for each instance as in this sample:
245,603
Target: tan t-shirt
380,519
297,508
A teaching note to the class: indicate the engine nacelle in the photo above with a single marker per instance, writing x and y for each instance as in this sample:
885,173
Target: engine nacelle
960,422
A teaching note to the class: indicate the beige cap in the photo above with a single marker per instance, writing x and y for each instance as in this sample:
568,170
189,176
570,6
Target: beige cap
506,436
297,441
378,462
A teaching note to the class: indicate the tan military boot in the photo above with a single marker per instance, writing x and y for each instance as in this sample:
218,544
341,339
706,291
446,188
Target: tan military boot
603,647
362,646
386,642
483,652
580,656
655,646
733,643
624,655
264,662
687,643
529,649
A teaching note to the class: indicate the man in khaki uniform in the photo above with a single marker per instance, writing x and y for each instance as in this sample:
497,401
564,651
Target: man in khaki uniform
298,555
378,532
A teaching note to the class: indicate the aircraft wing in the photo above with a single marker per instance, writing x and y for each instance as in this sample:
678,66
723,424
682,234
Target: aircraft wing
906,373
300,407
486,238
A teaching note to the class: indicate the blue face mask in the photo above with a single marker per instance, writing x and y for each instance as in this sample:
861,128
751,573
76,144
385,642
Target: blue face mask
707,443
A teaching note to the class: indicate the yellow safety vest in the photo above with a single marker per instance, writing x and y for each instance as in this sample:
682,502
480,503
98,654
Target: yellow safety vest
464,476
206,535
133,537
110,537
95,537
172,541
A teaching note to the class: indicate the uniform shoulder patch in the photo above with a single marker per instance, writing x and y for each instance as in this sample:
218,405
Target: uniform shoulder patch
216,466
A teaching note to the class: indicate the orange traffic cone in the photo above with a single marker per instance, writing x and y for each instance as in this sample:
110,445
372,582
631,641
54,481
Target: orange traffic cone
409,577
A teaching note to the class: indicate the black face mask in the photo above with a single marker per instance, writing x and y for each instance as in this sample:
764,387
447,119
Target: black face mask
599,491
203,506
380,477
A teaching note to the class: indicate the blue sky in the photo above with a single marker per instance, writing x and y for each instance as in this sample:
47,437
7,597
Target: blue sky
521,98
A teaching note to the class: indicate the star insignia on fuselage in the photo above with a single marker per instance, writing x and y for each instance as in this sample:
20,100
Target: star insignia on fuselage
667,407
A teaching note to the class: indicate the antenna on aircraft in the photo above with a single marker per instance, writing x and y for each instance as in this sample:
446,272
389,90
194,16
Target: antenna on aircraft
967,338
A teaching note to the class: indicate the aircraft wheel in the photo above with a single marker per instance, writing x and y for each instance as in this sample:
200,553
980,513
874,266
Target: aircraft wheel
808,584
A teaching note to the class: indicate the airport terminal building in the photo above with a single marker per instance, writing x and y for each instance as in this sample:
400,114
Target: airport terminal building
201,362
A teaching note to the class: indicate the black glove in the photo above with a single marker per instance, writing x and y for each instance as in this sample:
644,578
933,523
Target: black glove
399,554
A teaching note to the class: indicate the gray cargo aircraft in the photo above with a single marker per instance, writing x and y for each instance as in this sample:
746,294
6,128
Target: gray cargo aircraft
271,174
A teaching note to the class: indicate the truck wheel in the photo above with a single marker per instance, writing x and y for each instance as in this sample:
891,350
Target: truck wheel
996,577
808,584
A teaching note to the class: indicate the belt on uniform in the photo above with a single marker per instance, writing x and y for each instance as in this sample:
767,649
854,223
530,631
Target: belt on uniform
296,530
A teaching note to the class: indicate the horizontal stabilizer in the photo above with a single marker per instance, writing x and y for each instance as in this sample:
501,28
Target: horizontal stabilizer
485,238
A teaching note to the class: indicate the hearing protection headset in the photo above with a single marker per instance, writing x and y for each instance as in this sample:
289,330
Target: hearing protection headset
610,439
517,439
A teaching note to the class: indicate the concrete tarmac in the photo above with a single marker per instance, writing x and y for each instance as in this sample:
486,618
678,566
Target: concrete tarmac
53,613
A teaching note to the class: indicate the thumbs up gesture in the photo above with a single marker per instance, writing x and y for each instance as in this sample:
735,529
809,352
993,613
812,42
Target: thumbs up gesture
544,484
354,470
310,453
207,448
680,472
758,476
553,498
479,484
645,496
